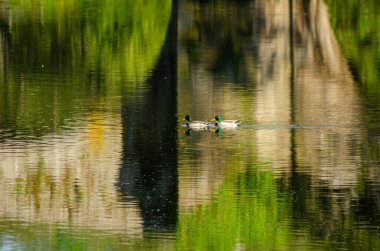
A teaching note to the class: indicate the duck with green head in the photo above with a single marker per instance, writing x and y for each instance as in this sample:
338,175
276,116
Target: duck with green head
195,124
225,123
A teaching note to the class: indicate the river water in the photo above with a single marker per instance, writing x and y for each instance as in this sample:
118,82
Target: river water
94,154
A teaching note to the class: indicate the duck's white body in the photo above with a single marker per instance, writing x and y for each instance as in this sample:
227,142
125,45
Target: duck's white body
197,125
228,123
225,123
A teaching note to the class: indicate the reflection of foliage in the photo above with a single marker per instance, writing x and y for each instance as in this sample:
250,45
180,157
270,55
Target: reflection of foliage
38,185
116,36
35,185
254,210
248,213
356,24
222,30
62,54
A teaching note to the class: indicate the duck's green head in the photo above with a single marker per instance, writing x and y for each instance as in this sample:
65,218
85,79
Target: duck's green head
218,118
188,118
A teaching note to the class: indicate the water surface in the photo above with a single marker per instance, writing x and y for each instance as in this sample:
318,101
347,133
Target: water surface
93,154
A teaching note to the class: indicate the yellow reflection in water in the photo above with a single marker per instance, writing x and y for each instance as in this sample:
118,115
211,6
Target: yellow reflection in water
96,128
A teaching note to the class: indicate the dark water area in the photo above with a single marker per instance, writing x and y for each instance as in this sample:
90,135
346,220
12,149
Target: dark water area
94,154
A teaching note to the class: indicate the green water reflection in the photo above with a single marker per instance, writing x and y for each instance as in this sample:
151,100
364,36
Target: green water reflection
92,156
248,213
356,27
256,210
59,56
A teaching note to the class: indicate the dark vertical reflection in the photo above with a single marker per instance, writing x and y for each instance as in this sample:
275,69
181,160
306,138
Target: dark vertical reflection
5,40
4,44
149,168
298,182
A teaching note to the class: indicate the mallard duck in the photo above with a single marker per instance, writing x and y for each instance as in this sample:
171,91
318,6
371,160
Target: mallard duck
225,123
195,124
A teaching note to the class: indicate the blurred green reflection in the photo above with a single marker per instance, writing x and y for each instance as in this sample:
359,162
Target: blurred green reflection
59,56
247,213
356,25
255,210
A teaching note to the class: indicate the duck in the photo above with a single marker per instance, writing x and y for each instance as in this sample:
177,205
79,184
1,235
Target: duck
225,123
195,124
